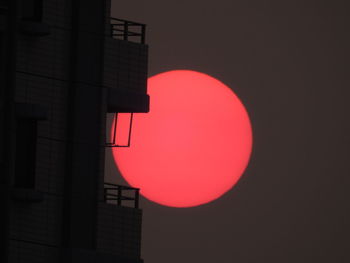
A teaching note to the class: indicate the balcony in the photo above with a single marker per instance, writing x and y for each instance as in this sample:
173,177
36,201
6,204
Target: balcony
125,67
121,195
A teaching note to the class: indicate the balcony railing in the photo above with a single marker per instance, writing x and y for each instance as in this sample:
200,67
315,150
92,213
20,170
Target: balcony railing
119,194
128,30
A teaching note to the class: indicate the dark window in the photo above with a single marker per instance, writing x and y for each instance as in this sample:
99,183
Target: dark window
3,7
2,61
26,135
32,10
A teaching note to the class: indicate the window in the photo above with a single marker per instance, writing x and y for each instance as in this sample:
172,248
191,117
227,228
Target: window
26,137
3,7
32,10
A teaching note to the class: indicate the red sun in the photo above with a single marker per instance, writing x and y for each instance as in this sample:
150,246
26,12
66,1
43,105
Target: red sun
192,146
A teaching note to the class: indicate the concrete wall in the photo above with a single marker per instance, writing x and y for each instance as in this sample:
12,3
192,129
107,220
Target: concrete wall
119,230
125,65
44,78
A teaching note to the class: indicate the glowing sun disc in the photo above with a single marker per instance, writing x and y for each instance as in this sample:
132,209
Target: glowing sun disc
193,145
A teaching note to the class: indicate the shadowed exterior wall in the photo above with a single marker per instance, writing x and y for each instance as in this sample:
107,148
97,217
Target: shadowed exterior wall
63,68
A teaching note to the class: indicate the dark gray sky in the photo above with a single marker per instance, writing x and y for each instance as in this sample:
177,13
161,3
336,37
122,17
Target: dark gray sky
288,61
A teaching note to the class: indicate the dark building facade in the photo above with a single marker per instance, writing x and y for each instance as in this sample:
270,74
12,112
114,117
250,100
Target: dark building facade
66,64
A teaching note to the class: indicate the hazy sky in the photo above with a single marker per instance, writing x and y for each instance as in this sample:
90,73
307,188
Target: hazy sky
288,62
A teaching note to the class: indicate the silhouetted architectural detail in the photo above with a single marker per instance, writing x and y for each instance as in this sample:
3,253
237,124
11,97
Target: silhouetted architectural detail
116,193
113,140
65,64
31,15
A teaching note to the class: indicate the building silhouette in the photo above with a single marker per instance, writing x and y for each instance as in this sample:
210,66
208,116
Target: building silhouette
66,64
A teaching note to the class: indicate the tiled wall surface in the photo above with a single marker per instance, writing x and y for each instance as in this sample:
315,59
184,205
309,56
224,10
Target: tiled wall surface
42,78
125,65
33,253
119,230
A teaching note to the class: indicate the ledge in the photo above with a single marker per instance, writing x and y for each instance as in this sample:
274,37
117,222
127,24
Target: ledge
127,101
27,195
93,256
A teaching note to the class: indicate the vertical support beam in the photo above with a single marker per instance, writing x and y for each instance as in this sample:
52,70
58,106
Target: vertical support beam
7,87
84,128
143,34
130,128
115,128
119,201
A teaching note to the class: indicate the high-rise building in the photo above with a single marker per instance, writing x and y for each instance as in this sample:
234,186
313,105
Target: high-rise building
66,64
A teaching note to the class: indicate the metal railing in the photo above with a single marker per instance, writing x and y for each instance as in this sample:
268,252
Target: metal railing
115,194
128,30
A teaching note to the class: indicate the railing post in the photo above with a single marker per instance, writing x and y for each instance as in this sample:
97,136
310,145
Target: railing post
126,30
137,195
105,195
119,201
143,34
112,29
